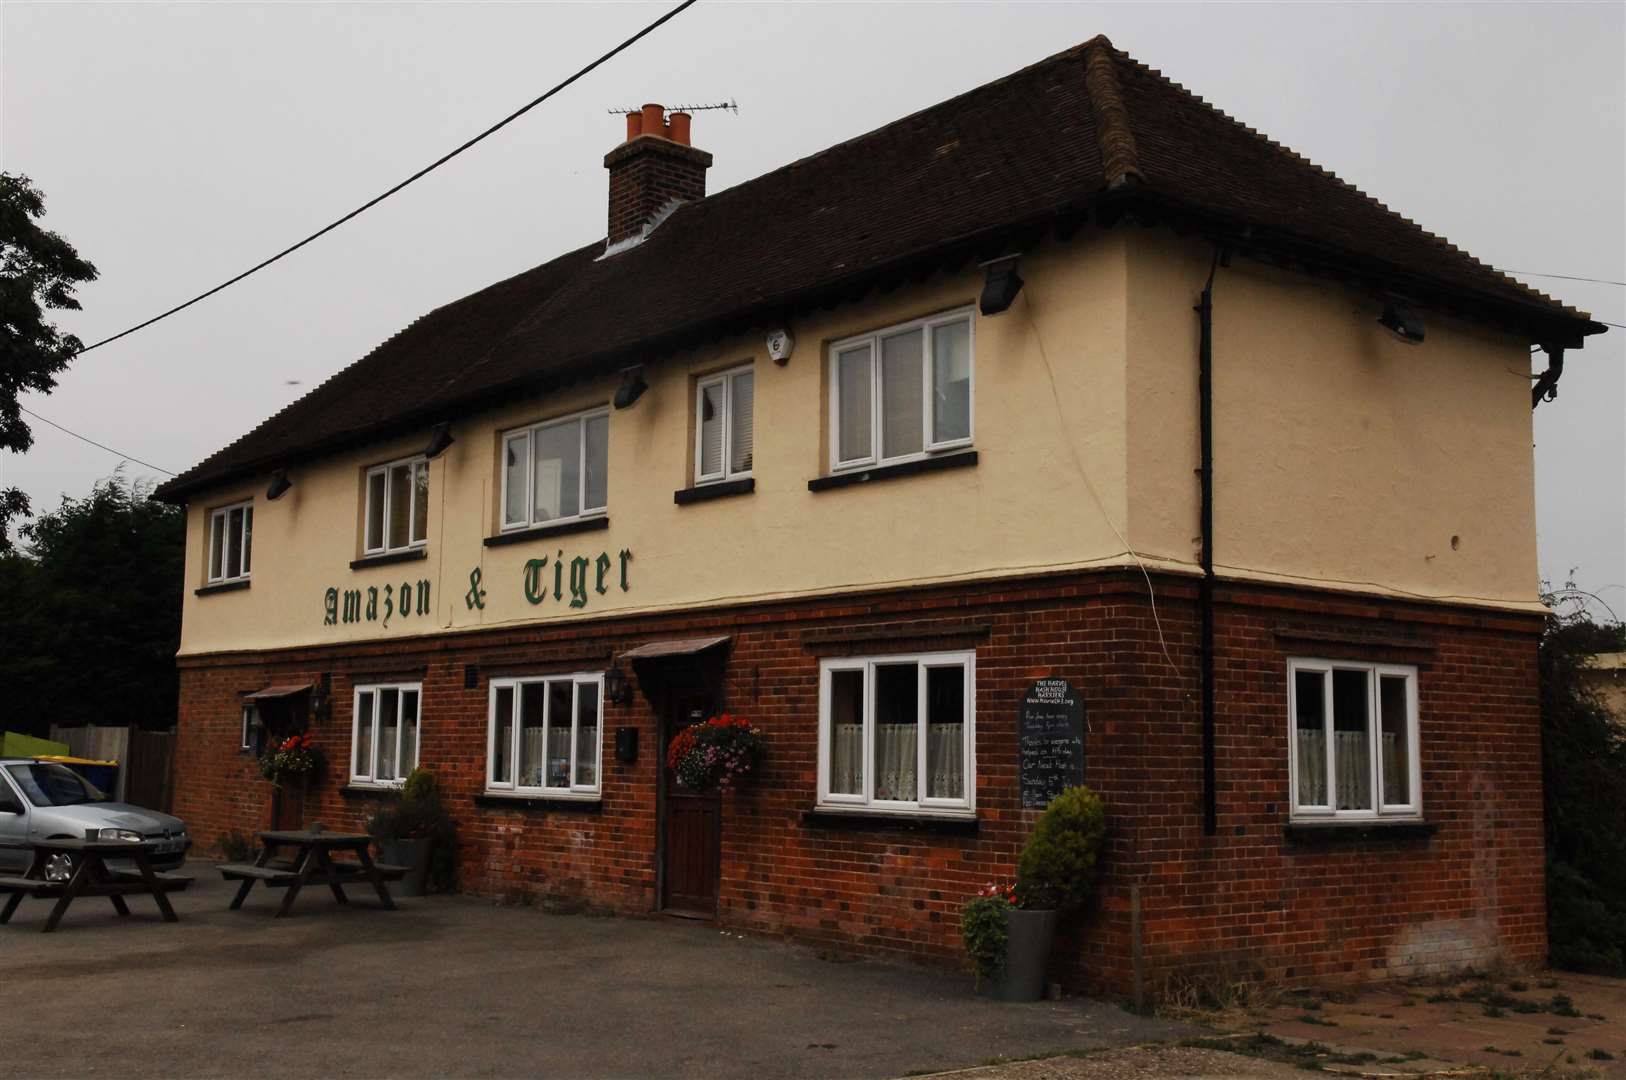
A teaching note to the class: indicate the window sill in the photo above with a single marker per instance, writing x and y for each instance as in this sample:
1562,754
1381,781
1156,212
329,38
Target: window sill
370,791
1319,832
717,489
870,820
589,804
389,557
957,459
220,587
538,532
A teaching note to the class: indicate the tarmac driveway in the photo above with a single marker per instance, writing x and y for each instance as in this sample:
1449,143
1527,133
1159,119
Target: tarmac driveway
449,986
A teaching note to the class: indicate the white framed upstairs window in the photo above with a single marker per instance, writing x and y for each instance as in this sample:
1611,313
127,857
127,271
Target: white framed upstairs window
1352,740
898,733
723,428
231,542
902,393
556,471
384,733
397,506
545,736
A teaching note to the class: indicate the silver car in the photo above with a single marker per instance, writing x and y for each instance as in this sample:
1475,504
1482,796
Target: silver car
42,800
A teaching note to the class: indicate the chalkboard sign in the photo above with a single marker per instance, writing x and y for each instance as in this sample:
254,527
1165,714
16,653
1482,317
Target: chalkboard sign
1050,731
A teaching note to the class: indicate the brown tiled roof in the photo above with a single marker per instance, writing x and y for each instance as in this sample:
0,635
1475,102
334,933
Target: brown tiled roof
1086,134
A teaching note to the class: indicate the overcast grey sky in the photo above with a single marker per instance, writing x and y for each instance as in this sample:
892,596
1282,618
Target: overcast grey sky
178,144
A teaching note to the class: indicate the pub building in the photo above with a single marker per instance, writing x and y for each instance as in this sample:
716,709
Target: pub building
1067,429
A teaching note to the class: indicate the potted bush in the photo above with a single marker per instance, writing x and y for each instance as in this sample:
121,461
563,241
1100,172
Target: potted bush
1008,929
416,832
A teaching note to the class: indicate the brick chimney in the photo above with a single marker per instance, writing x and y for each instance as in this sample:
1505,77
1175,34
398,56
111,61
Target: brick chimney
652,168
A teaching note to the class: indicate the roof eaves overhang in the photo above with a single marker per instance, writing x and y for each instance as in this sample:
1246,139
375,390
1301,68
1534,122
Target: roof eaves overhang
1540,322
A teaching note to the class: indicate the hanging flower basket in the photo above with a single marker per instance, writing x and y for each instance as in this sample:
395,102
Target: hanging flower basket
290,759
716,754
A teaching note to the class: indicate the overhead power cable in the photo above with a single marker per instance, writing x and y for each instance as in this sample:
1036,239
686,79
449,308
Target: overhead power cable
1568,277
93,442
425,171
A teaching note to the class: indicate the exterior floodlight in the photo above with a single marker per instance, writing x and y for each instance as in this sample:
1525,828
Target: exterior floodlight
616,690
279,484
440,437
1402,320
632,387
999,289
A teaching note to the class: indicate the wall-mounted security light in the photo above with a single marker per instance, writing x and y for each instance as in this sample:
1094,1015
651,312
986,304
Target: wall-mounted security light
632,387
440,437
1000,287
616,690
279,484
1402,320
780,345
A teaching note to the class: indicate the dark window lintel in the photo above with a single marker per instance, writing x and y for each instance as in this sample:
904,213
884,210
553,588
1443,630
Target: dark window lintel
718,490
389,557
1333,832
957,460
222,586
535,803
876,822
541,532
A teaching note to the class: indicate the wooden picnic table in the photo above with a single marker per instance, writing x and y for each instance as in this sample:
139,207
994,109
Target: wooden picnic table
91,877
311,865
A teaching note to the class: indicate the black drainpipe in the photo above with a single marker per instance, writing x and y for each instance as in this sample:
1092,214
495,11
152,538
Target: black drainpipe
1546,387
1205,587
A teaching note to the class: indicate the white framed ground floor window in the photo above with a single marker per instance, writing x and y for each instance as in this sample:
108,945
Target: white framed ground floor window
384,733
545,736
1352,740
898,733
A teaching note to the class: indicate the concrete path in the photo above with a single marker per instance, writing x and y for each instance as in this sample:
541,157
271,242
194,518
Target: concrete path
458,987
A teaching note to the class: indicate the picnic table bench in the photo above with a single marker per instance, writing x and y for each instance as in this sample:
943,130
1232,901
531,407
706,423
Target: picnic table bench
312,865
91,877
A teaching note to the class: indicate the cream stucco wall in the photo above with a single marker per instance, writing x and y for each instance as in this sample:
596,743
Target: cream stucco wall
1342,457
1025,506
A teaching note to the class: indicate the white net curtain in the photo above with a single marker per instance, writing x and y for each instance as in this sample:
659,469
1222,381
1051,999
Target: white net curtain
549,768
1351,766
897,754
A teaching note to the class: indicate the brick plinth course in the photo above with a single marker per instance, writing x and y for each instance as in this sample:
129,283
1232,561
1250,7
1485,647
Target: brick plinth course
1250,900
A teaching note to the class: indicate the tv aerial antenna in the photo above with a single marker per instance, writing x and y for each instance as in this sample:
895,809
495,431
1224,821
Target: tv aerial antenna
730,105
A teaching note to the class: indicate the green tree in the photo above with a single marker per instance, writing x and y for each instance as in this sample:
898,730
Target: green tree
92,612
38,272
1584,772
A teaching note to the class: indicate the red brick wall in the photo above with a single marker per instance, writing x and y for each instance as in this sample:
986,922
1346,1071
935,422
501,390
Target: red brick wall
1249,899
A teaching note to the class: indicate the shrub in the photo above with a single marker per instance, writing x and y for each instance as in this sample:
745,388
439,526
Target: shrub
418,815
1058,865
235,847
1584,770
982,926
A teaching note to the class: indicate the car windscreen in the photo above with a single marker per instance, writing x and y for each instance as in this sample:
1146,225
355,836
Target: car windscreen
47,784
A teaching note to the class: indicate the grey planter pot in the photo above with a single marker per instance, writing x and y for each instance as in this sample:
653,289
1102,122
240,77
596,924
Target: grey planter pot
412,854
1027,955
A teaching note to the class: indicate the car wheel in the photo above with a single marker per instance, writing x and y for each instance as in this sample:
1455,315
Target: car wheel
58,868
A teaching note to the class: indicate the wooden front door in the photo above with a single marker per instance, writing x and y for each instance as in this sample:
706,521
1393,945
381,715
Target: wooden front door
691,835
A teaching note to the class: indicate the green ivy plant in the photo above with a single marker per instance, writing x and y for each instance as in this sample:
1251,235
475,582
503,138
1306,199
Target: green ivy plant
982,926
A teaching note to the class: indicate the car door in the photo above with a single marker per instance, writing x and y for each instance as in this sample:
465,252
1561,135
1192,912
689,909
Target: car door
13,828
